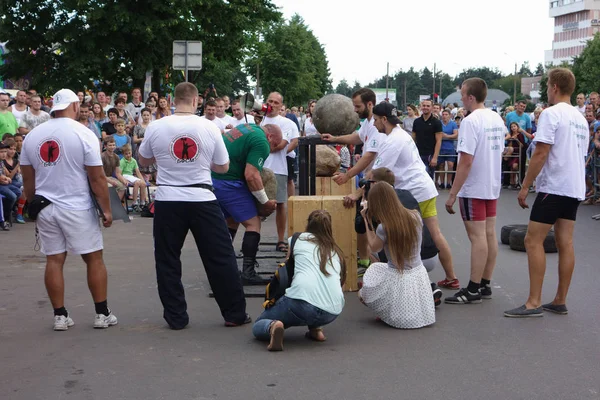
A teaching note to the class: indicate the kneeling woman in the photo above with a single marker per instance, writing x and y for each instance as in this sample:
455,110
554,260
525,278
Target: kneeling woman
398,291
315,297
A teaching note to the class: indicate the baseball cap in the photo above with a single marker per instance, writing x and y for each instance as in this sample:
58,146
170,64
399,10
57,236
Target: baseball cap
63,99
387,110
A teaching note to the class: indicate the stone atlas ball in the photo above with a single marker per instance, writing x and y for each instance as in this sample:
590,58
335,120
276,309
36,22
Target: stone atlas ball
269,183
335,114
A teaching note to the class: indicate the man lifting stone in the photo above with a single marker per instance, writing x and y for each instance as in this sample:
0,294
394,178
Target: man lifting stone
240,191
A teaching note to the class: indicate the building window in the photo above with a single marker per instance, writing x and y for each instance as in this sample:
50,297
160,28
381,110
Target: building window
554,4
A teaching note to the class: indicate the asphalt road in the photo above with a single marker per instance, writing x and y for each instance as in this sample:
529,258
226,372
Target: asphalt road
472,351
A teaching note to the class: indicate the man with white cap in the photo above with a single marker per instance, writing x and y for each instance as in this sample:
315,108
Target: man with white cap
58,160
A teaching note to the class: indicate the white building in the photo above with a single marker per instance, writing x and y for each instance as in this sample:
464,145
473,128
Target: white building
575,22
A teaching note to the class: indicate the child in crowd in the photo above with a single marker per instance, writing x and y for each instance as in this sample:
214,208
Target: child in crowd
10,192
131,172
315,297
19,144
139,131
112,168
512,154
121,137
398,291
12,169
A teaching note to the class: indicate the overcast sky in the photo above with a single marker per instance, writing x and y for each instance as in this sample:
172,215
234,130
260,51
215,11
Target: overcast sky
360,37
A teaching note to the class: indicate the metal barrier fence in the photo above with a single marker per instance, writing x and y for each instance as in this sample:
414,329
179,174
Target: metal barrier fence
517,153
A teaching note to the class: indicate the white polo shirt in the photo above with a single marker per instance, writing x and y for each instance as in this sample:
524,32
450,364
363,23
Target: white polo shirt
184,147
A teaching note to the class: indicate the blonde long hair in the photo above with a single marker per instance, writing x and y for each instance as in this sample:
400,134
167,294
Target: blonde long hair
319,224
400,224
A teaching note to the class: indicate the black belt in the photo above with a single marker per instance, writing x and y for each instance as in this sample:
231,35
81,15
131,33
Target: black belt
194,185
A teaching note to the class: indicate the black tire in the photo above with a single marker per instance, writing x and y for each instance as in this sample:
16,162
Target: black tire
506,230
517,241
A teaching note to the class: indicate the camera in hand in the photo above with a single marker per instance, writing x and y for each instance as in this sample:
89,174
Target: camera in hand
365,184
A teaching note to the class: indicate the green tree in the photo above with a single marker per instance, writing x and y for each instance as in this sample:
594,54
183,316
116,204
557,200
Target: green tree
507,85
427,80
71,43
586,67
525,70
292,62
343,88
487,74
539,70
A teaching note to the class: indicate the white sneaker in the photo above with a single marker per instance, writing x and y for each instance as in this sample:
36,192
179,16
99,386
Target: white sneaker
104,321
62,323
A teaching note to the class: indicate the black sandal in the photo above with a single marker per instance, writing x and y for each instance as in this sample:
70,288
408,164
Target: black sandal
282,247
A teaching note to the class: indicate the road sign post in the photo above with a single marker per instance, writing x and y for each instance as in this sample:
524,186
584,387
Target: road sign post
187,56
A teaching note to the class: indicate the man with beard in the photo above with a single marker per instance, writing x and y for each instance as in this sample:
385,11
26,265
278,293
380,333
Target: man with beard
240,191
369,137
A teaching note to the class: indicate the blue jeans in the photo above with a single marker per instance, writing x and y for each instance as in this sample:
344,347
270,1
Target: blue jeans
430,170
291,312
11,194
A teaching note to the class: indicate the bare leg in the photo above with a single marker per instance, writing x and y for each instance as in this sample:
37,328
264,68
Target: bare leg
563,230
280,220
479,248
492,248
143,192
136,189
442,245
96,274
534,243
291,189
449,177
54,279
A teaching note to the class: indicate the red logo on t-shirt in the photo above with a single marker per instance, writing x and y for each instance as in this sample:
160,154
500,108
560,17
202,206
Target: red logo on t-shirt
184,149
49,151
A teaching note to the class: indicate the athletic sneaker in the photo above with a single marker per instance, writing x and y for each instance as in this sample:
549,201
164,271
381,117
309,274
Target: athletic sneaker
230,324
5,226
62,323
104,321
20,219
486,292
463,296
437,295
449,284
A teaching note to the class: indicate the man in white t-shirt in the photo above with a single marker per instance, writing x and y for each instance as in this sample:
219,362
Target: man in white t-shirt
226,120
239,118
580,103
477,185
277,162
364,100
558,168
20,107
34,117
104,101
210,114
400,154
136,105
186,148
57,160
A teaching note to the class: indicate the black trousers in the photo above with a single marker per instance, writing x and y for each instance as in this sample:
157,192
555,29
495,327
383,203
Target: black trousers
172,221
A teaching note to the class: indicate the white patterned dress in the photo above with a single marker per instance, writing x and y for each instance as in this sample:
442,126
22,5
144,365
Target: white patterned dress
401,298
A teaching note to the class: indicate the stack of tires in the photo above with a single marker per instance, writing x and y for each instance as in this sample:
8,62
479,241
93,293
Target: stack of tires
514,236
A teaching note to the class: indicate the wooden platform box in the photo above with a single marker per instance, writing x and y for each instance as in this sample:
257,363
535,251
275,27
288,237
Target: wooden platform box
325,186
299,208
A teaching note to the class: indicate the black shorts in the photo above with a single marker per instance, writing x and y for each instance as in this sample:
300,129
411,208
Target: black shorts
291,162
548,208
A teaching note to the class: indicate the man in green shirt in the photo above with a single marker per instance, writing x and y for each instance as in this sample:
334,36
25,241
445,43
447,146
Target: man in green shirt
8,122
240,191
